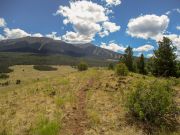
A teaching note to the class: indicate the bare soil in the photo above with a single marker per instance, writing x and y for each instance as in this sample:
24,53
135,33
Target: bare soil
76,121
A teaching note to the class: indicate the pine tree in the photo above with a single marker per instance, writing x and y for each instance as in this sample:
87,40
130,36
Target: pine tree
150,65
128,58
165,58
141,64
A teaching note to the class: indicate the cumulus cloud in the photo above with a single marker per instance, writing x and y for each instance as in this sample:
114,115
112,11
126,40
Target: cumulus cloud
113,47
148,26
2,22
103,33
19,33
15,33
76,38
108,27
178,27
111,27
113,2
144,48
37,35
86,18
54,36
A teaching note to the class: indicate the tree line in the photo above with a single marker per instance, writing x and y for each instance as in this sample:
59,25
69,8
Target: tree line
162,63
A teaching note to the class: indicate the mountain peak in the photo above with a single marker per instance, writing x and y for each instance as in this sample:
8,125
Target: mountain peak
46,45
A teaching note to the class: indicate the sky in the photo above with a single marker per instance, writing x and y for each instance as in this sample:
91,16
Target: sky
110,24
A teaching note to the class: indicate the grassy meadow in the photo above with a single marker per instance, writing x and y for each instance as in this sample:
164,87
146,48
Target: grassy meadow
65,101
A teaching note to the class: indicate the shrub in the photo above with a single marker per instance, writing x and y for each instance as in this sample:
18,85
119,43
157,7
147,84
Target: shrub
4,76
121,69
153,104
111,66
82,66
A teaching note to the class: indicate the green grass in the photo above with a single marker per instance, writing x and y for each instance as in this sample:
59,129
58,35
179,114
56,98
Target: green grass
53,94
64,81
46,127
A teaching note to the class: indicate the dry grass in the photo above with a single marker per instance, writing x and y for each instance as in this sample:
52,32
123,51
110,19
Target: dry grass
53,95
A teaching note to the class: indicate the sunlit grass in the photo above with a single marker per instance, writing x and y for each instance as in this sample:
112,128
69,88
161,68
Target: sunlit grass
54,95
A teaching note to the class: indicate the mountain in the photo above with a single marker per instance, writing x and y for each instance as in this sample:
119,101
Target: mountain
43,45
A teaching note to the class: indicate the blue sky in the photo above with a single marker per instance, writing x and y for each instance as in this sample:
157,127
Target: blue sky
111,24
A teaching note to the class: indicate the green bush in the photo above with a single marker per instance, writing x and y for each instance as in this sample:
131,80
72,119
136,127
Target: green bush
121,69
44,68
153,104
82,66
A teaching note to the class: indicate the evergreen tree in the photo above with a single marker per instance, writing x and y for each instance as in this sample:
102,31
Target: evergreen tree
128,58
141,64
151,65
165,58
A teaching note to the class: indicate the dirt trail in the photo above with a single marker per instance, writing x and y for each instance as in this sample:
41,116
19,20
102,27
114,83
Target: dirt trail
76,121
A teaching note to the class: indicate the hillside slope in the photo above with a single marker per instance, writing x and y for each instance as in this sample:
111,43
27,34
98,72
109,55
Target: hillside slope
69,102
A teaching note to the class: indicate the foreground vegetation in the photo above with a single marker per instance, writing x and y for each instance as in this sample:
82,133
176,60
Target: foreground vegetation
92,102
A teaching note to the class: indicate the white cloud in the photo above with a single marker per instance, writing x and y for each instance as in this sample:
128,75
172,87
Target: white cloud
86,18
86,28
103,33
109,11
113,2
15,33
37,35
54,36
113,47
108,27
2,22
76,38
111,27
149,55
178,27
144,48
83,10
2,37
168,13
148,26
19,33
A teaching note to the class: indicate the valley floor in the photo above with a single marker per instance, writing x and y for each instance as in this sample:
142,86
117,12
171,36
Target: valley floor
69,102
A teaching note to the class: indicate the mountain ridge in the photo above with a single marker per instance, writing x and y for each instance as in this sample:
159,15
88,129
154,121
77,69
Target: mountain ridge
44,45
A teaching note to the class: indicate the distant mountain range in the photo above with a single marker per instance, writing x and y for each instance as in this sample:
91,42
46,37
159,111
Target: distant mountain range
43,45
